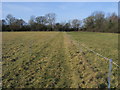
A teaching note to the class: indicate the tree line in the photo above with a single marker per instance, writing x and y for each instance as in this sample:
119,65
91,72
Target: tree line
96,22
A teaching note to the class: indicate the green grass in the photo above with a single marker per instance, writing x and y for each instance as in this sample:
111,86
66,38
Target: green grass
57,60
103,43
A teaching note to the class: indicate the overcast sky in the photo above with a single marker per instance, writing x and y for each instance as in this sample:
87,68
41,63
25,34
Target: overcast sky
64,10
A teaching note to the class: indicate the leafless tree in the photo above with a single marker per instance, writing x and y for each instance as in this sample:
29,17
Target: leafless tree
76,24
51,17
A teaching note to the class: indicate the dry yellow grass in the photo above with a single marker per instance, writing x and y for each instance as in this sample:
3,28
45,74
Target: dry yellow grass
50,60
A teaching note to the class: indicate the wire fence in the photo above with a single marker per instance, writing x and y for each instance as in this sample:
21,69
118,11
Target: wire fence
105,58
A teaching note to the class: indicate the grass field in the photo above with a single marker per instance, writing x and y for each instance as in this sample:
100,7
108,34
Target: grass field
57,59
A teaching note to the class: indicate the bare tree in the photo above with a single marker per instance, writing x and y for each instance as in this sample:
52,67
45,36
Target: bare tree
89,23
76,24
10,19
112,23
99,18
19,23
32,22
51,17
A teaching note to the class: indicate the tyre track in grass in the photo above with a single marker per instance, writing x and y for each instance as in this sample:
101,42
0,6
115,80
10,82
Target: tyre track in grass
55,62
48,78
38,63
93,74
50,72
97,63
82,75
55,73
73,75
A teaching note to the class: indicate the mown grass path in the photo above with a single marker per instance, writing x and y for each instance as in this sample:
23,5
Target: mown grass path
50,60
